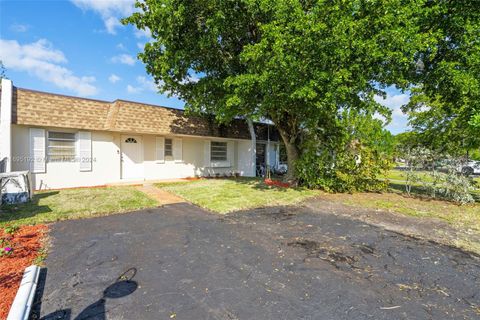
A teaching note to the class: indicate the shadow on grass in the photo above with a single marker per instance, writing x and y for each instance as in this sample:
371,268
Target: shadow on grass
13,212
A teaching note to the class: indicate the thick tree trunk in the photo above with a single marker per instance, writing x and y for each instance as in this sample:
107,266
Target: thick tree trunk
292,156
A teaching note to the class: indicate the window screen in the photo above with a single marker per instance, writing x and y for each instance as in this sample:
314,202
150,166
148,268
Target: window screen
61,146
218,151
168,148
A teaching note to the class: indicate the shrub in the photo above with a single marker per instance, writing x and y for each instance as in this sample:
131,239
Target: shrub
345,171
448,184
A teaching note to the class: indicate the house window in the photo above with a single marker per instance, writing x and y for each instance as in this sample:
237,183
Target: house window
218,151
131,140
61,146
168,148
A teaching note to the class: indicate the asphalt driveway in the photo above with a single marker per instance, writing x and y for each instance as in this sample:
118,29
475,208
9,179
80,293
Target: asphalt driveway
180,262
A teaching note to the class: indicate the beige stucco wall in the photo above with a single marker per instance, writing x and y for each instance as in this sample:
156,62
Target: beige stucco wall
106,165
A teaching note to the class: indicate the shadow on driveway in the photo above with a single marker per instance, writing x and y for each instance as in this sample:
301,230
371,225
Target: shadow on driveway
271,263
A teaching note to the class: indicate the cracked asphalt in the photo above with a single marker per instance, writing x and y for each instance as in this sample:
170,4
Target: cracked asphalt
181,262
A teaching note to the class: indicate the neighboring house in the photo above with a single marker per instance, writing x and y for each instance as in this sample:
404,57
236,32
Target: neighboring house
71,142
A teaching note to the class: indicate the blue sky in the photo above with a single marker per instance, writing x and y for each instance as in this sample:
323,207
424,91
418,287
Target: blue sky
79,48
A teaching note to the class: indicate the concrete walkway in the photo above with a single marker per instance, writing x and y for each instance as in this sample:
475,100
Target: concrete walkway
161,196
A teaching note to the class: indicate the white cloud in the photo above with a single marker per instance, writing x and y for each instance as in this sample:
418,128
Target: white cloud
43,61
143,84
139,33
124,58
394,102
133,90
111,23
111,11
16,27
120,46
114,78
147,84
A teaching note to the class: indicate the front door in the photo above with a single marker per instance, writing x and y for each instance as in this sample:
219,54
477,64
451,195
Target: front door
132,157
260,159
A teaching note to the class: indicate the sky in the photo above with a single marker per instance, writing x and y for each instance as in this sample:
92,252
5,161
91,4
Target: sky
79,48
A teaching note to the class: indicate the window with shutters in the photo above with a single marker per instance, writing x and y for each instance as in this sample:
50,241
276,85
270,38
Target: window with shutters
218,151
168,148
61,146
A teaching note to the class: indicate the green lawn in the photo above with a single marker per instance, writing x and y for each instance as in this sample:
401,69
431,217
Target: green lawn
226,195
49,206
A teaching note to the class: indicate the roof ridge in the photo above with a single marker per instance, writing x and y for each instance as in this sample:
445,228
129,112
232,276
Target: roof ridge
112,116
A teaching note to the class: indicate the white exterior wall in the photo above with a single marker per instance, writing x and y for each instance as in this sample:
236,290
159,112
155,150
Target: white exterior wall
106,164
246,167
5,123
193,160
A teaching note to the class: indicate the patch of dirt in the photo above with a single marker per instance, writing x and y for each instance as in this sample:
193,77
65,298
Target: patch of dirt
430,229
26,243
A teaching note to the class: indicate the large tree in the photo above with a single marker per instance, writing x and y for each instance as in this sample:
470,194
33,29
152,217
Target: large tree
445,104
298,63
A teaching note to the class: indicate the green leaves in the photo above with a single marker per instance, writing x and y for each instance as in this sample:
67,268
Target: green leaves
446,97
302,64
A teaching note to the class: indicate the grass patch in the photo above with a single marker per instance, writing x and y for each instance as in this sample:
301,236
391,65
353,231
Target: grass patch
226,195
49,206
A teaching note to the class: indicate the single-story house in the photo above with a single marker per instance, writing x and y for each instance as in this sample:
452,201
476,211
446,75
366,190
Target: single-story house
68,141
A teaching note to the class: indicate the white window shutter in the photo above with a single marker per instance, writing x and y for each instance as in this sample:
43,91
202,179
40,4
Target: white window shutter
37,150
230,146
178,150
85,150
160,149
207,154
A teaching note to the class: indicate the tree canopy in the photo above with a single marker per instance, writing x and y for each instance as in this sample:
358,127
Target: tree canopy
445,104
298,63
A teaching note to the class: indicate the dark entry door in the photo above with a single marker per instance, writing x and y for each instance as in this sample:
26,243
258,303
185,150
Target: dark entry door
260,159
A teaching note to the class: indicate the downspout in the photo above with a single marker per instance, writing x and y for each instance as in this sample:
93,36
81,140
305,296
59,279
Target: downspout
253,153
